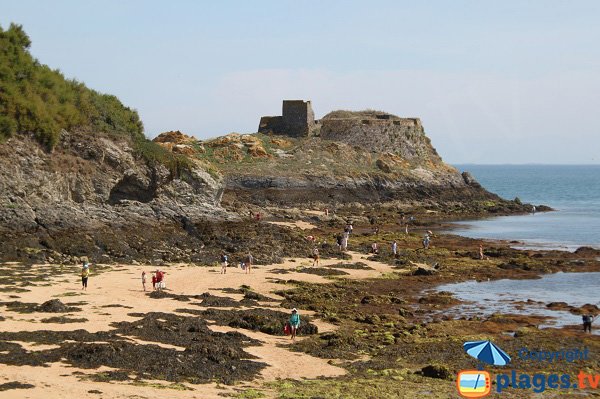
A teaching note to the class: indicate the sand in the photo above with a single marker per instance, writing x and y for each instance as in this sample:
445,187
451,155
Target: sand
122,286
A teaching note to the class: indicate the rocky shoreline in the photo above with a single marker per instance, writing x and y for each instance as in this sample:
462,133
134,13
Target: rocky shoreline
386,331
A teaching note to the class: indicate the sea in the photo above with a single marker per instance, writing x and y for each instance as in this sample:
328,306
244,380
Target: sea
572,190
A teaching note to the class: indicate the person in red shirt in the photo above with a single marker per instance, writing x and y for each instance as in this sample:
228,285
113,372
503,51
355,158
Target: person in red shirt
159,279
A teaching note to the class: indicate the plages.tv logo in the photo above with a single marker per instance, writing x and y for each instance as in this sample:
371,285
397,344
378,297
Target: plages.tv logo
478,383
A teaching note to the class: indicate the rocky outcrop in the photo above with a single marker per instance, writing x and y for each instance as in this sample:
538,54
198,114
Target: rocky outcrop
93,195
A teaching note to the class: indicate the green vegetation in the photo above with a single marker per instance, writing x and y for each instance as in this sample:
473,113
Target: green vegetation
36,99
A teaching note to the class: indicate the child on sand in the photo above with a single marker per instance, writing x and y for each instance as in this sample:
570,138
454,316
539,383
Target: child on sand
294,323
395,248
315,256
249,262
144,280
85,274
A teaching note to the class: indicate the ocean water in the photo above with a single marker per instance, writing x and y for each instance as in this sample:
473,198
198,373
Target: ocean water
499,296
573,190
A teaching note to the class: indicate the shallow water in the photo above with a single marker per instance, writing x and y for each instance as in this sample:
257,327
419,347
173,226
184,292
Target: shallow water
574,191
499,296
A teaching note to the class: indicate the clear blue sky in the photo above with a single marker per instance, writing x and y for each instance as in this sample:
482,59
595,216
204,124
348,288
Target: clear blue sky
493,81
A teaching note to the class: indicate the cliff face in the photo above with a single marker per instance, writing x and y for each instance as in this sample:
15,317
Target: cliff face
355,157
92,196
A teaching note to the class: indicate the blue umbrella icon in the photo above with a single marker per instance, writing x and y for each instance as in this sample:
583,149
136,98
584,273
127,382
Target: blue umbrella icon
487,352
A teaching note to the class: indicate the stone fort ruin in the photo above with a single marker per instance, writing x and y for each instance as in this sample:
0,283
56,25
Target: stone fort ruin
297,120
375,131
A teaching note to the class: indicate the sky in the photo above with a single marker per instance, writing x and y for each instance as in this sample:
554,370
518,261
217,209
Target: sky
494,82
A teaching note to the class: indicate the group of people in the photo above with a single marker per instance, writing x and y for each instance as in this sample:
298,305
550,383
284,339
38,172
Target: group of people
245,264
158,280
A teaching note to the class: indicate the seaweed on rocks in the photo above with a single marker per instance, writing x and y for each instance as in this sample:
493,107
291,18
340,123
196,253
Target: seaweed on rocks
323,271
206,356
352,266
15,385
266,321
63,320
51,306
214,301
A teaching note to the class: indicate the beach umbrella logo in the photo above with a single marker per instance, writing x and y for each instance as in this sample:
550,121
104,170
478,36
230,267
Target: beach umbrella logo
487,352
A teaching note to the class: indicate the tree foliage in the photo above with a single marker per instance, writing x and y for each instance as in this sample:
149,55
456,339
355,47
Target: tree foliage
39,100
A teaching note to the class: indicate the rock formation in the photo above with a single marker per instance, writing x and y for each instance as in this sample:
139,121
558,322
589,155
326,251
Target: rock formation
92,194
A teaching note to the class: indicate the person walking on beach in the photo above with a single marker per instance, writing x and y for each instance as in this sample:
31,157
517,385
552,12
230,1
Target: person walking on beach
294,322
375,248
154,281
426,241
338,239
345,237
85,274
395,248
315,256
160,277
481,254
587,322
223,263
144,280
249,262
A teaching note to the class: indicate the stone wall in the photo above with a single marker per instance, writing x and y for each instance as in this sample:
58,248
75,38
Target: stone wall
381,133
297,120
298,117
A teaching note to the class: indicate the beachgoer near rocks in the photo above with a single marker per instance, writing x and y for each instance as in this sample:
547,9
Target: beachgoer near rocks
249,262
587,322
350,228
258,216
426,241
345,237
160,279
326,211
154,281
481,254
395,248
294,323
85,274
339,239
375,248
316,256
224,260
144,280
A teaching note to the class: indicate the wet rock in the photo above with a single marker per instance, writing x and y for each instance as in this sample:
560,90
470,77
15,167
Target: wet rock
421,271
437,371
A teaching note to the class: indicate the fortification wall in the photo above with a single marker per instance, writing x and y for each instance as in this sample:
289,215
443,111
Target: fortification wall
297,120
401,136
298,117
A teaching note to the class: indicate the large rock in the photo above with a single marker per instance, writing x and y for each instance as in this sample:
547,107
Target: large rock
83,197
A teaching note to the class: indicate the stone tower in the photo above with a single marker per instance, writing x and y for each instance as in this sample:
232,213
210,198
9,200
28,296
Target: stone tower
297,120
